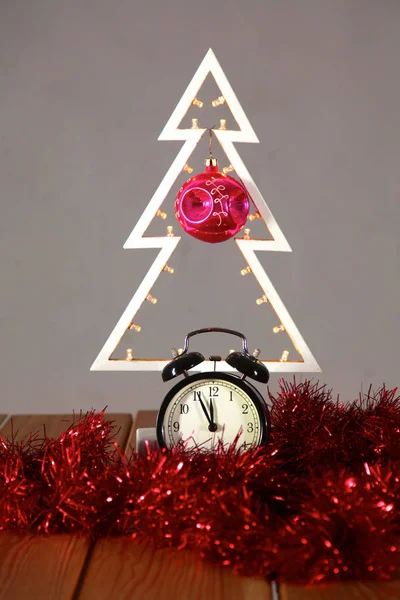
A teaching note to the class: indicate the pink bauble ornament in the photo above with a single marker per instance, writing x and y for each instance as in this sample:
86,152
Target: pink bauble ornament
211,206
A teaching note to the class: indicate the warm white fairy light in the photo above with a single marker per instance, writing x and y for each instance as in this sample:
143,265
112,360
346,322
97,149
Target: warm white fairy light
284,357
170,231
168,269
278,328
176,352
197,102
222,124
151,299
188,169
129,354
167,244
161,214
228,169
262,300
220,100
245,271
246,234
134,327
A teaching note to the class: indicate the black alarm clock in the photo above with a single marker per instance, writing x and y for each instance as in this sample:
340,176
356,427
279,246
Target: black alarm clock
204,410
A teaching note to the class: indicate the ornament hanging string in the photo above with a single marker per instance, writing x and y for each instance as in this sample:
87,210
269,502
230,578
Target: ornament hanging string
210,131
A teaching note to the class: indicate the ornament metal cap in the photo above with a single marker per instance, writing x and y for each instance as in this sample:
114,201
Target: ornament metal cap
211,162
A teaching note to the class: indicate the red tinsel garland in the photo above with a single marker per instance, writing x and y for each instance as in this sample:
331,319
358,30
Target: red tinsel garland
320,502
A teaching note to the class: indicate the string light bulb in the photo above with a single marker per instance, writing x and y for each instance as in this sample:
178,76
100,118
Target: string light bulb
284,356
261,300
151,299
197,102
161,214
256,353
245,271
218,101
188,169
195,123
254,216
228,169
170,231
129,354
133,327
168,269
176,352
246,234
222,124
278,329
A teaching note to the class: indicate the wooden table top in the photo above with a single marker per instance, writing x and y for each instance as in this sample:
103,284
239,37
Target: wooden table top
66,567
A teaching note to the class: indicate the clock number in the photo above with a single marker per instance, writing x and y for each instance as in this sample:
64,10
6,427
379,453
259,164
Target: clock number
213,391
245,407
250,427
196,395
184,409
176,426
230,396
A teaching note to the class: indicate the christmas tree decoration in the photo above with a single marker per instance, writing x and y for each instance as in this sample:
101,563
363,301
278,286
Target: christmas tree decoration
211,206
320,502
212,214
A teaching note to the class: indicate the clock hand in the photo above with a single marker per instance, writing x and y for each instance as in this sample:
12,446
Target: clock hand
212,424
205,410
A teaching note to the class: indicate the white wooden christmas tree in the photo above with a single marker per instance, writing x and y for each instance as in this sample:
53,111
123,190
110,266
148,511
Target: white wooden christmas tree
168,244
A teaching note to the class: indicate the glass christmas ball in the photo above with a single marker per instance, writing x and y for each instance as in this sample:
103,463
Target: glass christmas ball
211,206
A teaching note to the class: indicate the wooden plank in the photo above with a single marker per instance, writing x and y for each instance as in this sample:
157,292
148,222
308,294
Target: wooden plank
121,568
345,591
39,566
45,567
124,569
24,425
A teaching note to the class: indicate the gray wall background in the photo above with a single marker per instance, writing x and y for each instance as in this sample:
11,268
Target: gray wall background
85,89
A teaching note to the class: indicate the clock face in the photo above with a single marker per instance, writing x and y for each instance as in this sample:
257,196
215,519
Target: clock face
202,410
